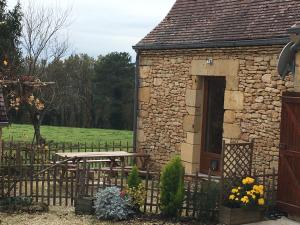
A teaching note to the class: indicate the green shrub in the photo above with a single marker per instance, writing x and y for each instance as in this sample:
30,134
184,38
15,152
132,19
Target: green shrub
137,196
172,188
133,179
15,201
111,204
205,202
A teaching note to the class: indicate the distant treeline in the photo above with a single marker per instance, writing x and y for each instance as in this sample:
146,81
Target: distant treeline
88,92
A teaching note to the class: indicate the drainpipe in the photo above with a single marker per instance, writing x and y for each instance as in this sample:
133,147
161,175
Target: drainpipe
136,99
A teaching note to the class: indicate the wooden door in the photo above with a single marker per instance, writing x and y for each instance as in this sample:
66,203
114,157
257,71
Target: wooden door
288,195
212,127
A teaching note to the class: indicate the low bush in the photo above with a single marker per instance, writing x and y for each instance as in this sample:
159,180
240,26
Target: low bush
205,202
172,188
15,201
110,204
135,189
21,204
134,180
137,196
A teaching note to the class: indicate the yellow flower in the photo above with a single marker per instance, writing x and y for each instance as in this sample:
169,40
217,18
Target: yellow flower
256,188
231,197
259,189
5,62
234,190
253,196
261,201
236,199
245,199
248,180
239,188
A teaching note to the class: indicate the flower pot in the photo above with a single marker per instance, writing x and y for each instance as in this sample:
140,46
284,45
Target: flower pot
230,216
84,206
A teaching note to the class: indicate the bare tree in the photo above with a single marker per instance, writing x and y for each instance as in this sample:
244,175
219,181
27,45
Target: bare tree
42,37
43,41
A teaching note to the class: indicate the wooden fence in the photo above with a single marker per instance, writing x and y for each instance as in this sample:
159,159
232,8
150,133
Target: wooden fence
61,186
25,153
36,174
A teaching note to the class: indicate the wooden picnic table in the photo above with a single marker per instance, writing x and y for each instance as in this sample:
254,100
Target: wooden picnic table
112,156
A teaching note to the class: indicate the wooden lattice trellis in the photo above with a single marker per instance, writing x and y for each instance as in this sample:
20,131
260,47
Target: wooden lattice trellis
236,164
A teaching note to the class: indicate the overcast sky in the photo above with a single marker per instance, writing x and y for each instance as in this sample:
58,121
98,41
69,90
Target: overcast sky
102,26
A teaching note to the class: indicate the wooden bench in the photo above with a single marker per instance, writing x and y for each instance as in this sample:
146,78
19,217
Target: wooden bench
75,170
88,161
126,170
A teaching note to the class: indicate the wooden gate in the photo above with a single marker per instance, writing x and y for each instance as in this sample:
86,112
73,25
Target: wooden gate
288,195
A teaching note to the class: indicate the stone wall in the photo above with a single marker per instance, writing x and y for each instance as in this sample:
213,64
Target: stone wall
171,96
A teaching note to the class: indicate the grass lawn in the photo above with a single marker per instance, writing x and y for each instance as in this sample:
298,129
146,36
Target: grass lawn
66,134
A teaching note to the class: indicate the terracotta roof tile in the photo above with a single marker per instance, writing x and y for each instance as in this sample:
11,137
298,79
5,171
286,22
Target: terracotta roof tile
213,22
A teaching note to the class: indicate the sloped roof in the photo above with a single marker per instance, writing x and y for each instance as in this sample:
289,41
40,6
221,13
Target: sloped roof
221,23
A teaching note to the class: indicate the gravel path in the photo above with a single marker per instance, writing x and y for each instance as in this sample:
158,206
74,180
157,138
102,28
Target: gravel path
56,216
65,216
282,221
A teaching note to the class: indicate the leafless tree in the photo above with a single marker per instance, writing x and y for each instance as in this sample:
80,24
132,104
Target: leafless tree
43,37
44,40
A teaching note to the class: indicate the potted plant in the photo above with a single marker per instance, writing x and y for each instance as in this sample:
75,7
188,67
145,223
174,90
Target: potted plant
244,204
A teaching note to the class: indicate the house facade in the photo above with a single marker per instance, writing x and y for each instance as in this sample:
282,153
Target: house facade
207,74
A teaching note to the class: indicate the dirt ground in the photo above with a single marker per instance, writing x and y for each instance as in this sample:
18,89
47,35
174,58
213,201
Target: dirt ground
282,221
66,216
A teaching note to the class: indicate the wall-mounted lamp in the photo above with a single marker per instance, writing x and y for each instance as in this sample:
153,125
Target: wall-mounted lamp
209,61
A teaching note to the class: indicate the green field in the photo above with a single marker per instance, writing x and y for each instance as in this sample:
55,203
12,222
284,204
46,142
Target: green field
25,133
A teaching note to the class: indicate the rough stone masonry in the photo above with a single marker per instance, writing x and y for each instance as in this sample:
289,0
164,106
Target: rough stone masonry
171,102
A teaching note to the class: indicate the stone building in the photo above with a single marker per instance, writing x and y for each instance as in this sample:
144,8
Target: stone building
207,73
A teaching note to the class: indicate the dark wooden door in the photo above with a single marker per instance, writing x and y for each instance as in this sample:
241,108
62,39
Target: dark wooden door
212,129
288,195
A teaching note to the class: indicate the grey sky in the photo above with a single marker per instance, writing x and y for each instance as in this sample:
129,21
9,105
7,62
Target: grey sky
102,26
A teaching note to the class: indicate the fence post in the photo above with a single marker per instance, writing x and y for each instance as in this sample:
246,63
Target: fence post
158,193
146,188
105,146
54,179
188,192
122,171
273,186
